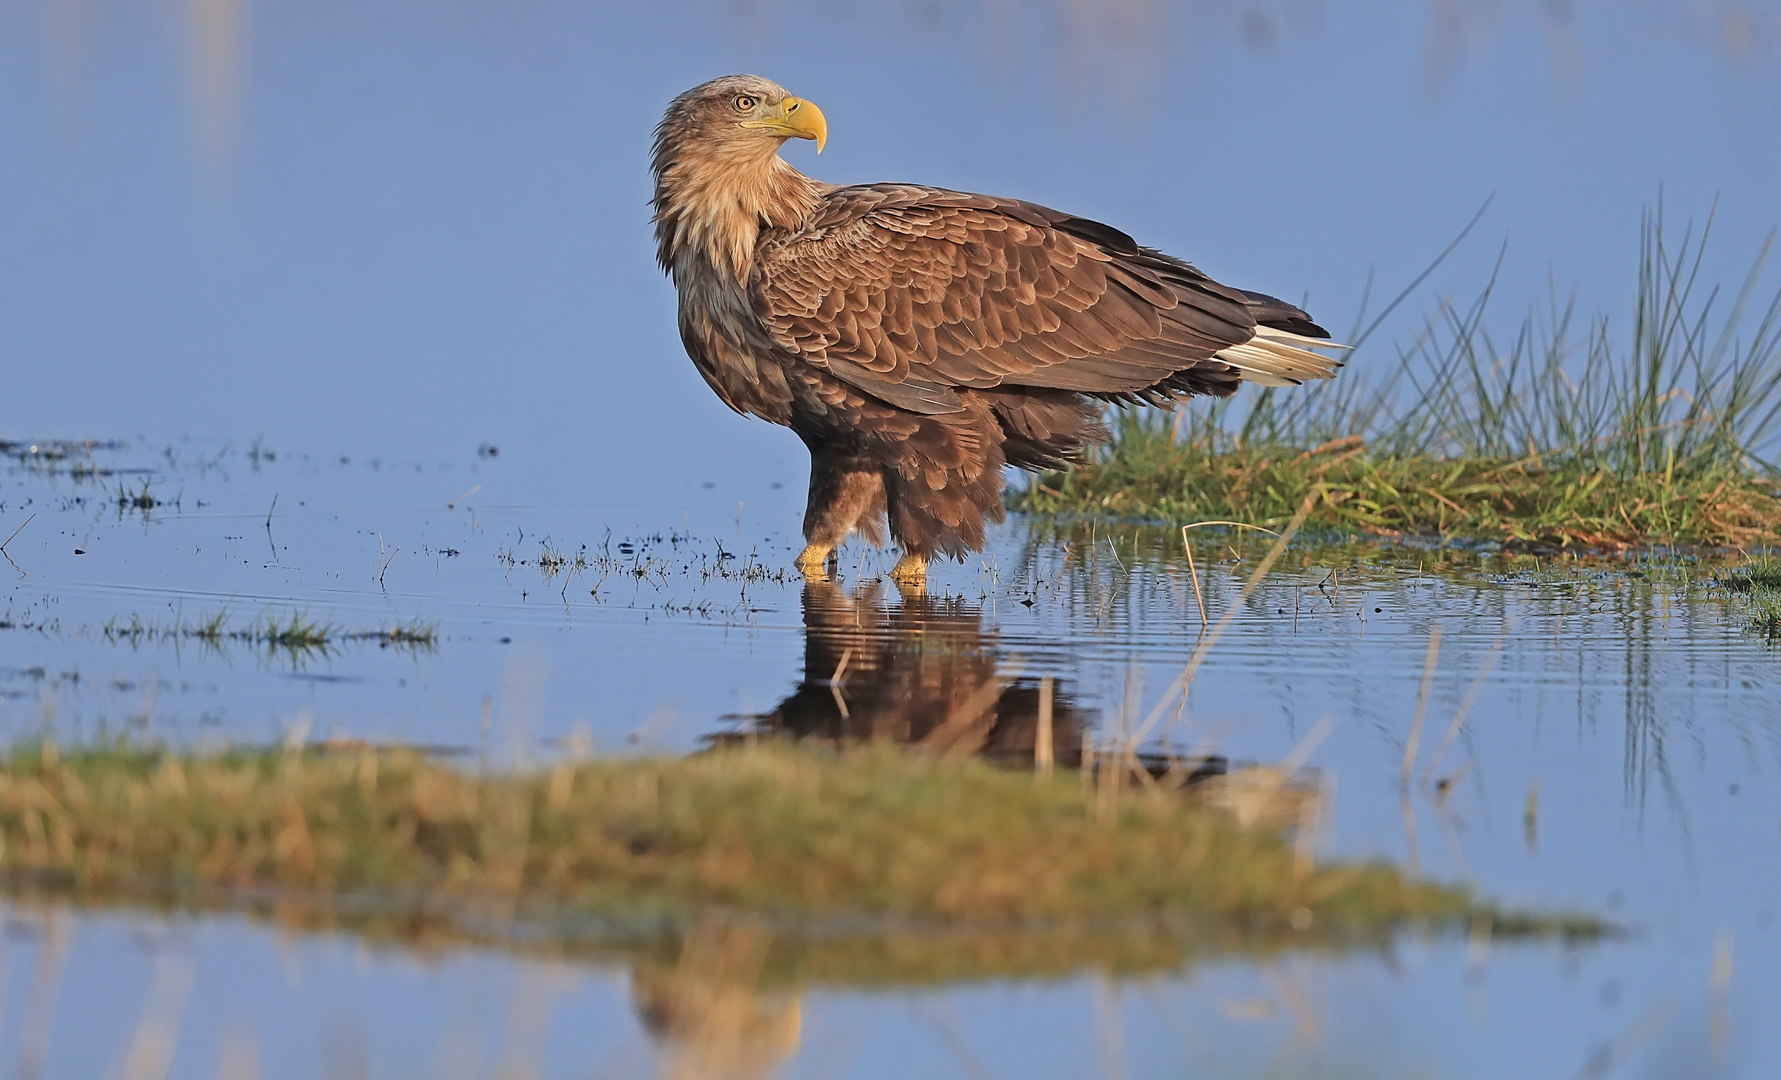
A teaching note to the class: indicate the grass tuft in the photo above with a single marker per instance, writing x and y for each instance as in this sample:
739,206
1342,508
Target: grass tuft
1661,435
141,499
1757,587
1556,501
299,636
766,829
1764,574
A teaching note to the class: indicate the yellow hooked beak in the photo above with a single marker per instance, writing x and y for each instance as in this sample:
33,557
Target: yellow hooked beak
795,118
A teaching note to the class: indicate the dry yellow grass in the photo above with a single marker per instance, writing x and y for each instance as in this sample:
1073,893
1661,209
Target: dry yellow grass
766,829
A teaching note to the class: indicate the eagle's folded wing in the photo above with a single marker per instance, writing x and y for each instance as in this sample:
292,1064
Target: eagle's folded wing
908,292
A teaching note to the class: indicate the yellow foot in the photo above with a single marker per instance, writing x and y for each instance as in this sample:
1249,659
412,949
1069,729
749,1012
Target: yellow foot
910,573
814,561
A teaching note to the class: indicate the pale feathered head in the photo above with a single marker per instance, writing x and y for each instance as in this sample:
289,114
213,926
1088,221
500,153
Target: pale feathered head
718,176
737,117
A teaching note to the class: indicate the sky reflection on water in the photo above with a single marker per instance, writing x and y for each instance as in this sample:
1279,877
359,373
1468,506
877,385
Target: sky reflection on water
106,988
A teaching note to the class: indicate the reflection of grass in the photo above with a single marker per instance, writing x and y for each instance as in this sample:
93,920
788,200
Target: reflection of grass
141,499
73,458
299,635
787,833
1547,439
415,632
49,454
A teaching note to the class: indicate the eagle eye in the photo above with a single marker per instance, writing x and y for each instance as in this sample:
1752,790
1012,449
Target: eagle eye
744,102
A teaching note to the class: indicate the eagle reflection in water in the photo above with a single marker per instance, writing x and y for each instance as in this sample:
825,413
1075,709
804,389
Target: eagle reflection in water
923,670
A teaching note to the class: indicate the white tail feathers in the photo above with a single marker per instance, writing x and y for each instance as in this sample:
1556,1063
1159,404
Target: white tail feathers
1281,358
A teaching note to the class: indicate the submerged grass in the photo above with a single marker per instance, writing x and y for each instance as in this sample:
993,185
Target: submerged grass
783,832
1552,437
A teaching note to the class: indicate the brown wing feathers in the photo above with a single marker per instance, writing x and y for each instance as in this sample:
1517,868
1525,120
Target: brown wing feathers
1277,313
907,292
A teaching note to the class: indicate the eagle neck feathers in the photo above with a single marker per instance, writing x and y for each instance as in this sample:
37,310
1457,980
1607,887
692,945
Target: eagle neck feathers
711,207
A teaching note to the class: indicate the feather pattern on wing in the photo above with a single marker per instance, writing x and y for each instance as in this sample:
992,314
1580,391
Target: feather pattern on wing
909,293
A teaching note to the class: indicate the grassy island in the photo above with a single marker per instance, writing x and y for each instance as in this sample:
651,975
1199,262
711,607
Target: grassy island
1537,500
796,837
1659,432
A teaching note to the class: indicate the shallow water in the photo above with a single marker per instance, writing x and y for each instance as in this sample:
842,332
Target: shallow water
376,284
101,988
1624,698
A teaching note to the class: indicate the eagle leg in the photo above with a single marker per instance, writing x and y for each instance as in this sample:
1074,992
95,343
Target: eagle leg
944,482
910,574
846,495
813,561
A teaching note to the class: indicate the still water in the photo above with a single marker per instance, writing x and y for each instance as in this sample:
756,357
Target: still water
355,303
1618,752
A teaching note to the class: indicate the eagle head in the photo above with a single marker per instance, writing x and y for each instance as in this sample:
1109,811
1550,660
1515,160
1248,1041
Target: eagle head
718,176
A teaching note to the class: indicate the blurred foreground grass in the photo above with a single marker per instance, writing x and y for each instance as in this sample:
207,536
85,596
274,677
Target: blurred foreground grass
801,839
